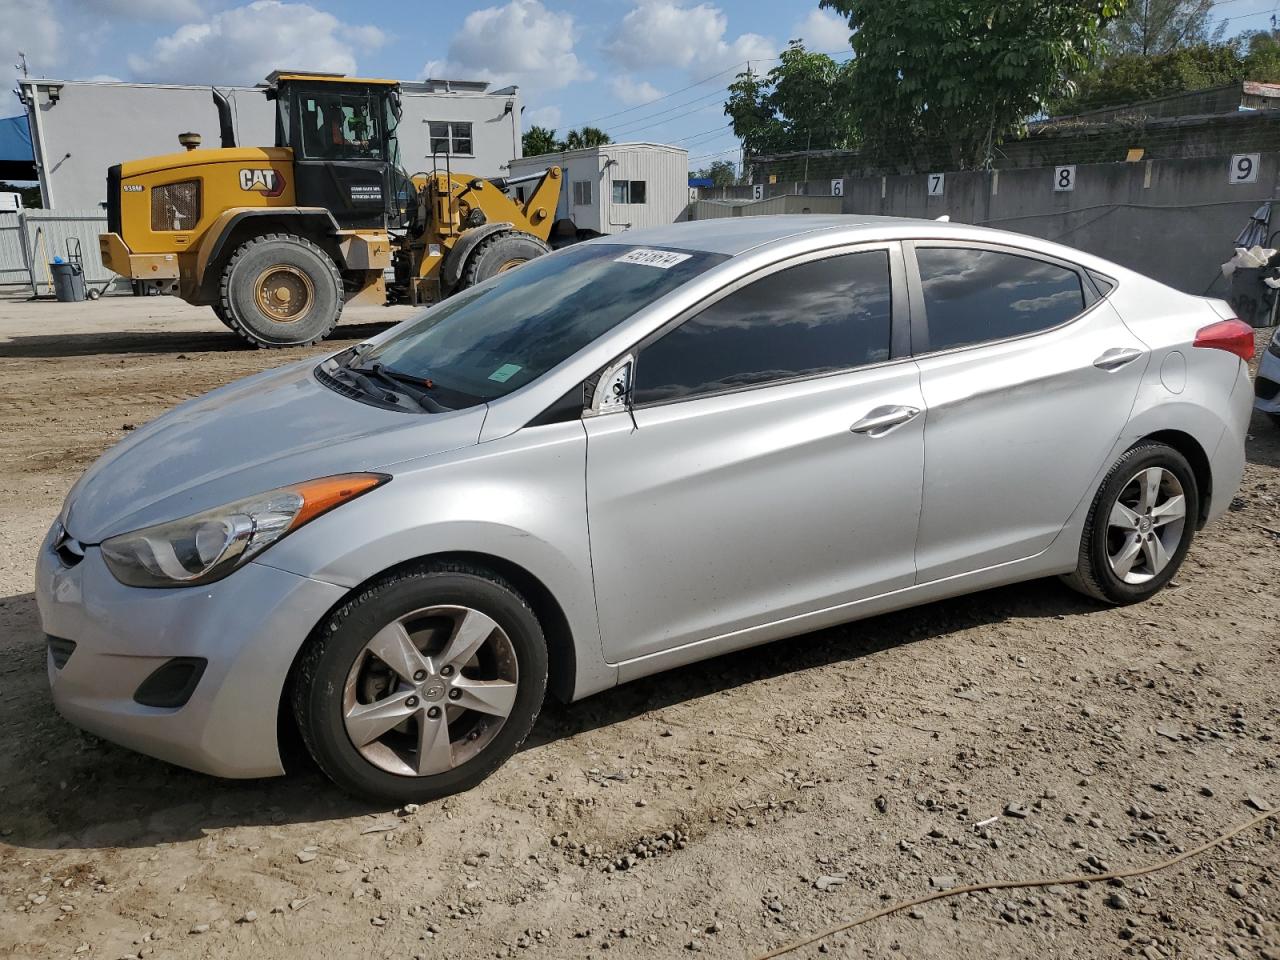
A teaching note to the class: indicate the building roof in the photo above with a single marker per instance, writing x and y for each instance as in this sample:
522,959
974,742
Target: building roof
588,151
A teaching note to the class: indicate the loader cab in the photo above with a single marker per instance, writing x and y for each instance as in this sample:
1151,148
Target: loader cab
342,131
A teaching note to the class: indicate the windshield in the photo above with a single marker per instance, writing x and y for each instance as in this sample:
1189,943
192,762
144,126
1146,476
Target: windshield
485,342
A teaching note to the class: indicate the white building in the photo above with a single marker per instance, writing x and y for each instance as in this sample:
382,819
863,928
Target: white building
615,187
80,128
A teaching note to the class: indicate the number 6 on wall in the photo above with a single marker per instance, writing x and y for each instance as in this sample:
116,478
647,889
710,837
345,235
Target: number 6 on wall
1244,168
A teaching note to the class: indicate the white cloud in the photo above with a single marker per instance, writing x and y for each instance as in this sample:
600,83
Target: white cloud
632,92
172,11
543,117
522,42
244,44
33,29
823,32
666,33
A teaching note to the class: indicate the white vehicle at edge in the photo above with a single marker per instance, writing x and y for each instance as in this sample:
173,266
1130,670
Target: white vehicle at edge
621,458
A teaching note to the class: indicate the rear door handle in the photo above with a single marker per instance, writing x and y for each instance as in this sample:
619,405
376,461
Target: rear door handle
881,420
1116,357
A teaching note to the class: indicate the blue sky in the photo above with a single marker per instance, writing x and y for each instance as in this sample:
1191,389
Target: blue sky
641,69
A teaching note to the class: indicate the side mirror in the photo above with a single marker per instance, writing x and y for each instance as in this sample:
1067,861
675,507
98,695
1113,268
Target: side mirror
613,390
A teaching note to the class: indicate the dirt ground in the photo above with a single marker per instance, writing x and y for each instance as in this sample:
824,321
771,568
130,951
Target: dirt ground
1018,733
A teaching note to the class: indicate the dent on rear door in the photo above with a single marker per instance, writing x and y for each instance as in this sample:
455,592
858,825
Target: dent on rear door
1016,434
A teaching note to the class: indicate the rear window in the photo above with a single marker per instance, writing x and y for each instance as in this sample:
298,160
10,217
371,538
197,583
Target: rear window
485,342
974,296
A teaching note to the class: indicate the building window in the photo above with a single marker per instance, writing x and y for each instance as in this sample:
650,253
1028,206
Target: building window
582,193
628,191
451,136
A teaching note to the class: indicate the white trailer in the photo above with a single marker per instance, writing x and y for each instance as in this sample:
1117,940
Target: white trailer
617,186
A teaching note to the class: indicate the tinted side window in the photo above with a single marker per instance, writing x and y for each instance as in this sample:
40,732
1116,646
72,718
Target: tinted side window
813,318
972,296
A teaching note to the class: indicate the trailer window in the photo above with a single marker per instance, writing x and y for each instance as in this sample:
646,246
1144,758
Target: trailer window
582,193
628,191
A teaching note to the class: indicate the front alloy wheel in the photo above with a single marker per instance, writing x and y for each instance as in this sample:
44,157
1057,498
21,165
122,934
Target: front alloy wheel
430,691
422,684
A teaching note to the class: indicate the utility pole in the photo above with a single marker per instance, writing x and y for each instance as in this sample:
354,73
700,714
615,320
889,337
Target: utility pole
22,59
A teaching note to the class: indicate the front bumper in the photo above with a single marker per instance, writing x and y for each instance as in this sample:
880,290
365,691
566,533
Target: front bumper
158,270
247,627
1266,387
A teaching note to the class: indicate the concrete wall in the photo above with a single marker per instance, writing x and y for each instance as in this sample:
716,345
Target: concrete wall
1174,220
91,126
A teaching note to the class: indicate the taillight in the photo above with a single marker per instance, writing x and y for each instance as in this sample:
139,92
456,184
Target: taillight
1233,336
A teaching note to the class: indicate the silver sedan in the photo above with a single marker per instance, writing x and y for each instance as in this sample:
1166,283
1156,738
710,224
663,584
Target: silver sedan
624,457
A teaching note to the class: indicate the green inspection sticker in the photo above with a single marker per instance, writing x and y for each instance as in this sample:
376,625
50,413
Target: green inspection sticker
505,372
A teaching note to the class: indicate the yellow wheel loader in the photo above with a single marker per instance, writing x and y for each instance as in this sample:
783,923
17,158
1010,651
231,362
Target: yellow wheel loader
278,239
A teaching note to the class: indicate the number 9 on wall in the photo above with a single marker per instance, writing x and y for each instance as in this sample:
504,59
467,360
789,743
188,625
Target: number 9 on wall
1244,168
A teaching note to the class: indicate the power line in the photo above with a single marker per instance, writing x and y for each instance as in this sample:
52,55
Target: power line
644,121
665,96
848,55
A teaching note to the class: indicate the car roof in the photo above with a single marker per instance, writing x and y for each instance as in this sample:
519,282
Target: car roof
735,235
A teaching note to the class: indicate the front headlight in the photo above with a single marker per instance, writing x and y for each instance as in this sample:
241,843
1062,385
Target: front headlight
207,546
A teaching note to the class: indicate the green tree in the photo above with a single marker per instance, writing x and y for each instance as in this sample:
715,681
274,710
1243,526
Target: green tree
944,81
1151,27
801,104
1132,78
586,137
721,173
539,140
1262,59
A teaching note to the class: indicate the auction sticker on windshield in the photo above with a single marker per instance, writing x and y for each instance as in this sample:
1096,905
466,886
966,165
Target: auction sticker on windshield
662,259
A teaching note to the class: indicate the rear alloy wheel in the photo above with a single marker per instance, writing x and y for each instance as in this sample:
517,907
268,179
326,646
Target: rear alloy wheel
423,685
1140,526
281,290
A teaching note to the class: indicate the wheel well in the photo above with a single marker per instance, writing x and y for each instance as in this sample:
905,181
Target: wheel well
316,229
562,660
1190,448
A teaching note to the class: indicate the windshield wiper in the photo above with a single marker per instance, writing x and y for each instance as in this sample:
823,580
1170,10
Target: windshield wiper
415,388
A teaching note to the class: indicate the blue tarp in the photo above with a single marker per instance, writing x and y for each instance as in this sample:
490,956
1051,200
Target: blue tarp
15,139
17,161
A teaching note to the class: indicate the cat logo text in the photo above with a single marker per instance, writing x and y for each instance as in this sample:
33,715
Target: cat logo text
266,181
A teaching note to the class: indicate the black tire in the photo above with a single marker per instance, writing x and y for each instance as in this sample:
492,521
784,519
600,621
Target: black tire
220,312
320,675
502,251
302,263
1094,575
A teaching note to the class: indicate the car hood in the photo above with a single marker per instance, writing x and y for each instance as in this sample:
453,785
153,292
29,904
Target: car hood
267,431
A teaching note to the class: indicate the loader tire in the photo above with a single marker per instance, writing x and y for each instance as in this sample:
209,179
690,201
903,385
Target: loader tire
281,290
220,312
499,253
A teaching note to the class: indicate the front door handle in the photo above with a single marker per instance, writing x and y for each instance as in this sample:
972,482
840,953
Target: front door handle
1116,357
881,420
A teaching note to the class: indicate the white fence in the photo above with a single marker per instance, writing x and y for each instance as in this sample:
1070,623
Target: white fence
30,239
